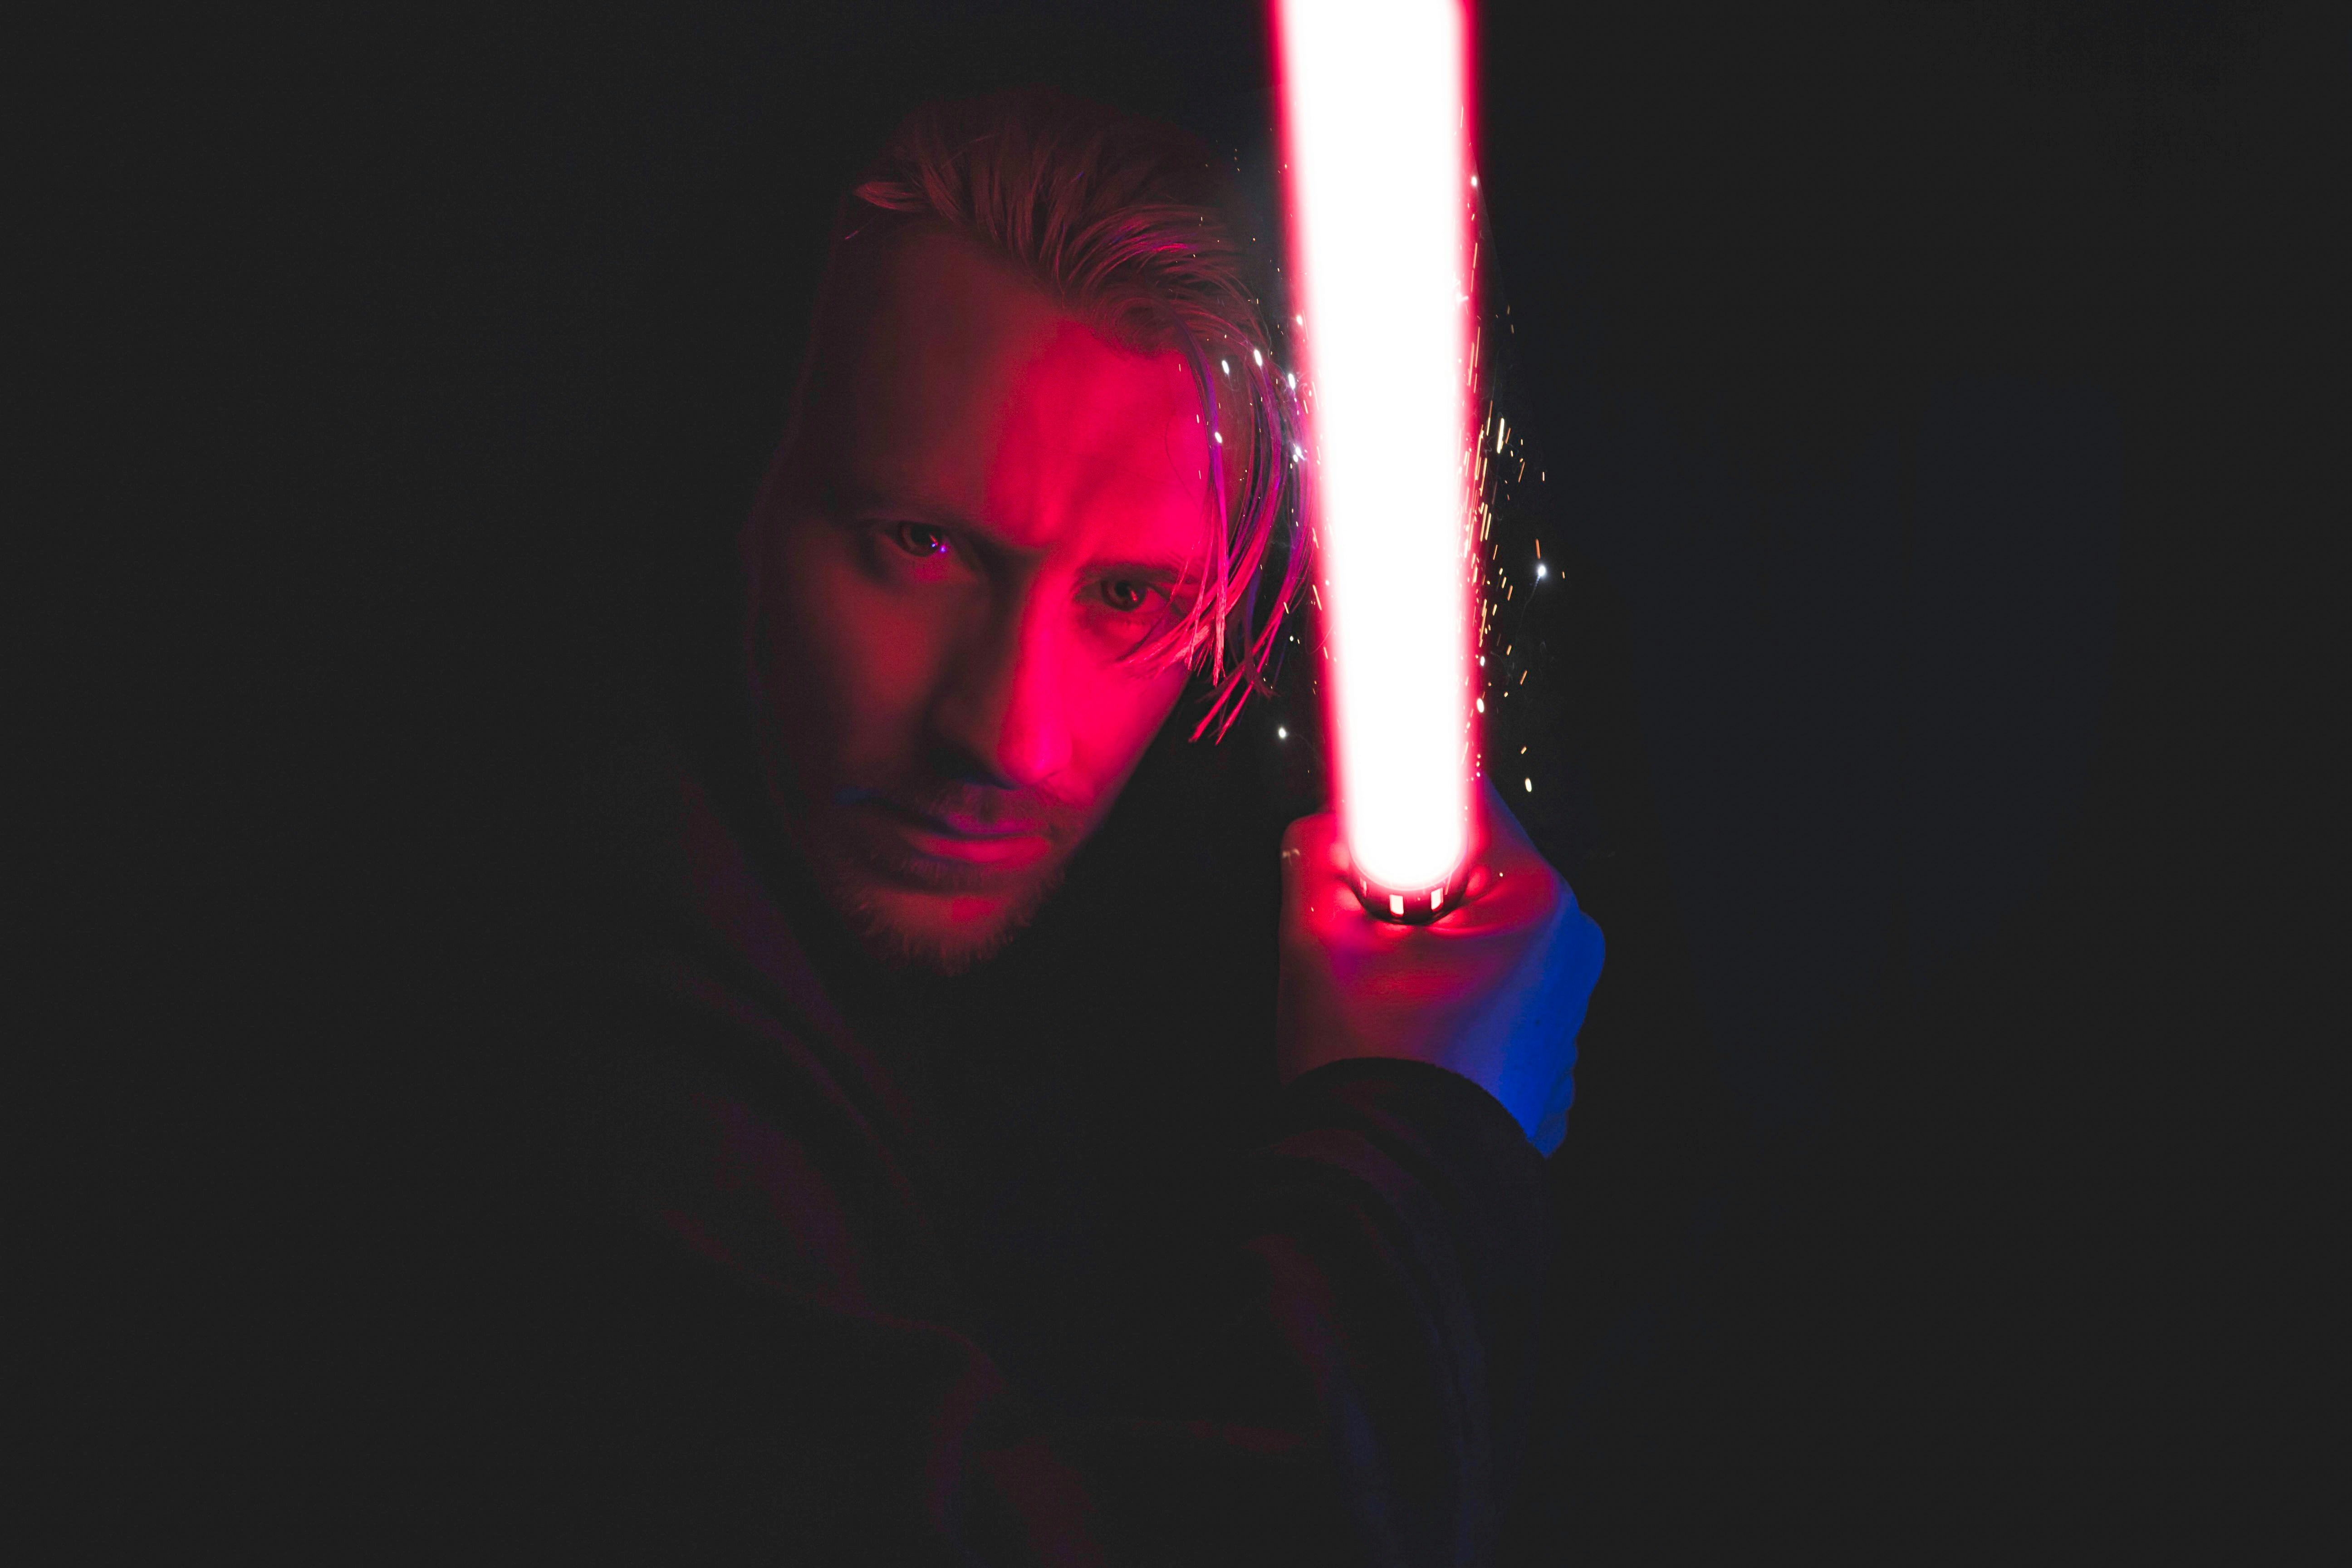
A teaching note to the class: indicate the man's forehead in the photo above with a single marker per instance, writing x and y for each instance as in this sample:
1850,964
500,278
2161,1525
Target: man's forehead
970,390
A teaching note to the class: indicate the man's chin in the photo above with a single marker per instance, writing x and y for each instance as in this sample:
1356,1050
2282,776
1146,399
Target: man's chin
936,932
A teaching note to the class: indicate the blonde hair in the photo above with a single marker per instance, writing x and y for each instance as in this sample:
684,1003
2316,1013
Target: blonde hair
1115,216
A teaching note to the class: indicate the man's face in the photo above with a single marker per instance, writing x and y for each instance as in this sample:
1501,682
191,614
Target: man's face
985,506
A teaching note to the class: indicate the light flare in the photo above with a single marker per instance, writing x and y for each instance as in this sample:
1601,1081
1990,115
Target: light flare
1376,135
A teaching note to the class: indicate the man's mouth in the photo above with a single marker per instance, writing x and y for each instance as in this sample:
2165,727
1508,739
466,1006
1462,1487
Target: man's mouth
954,839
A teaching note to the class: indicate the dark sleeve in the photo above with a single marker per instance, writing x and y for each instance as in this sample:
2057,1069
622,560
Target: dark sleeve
1357,1370
1337,1354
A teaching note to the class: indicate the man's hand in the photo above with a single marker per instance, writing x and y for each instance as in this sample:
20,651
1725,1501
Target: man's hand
1494,990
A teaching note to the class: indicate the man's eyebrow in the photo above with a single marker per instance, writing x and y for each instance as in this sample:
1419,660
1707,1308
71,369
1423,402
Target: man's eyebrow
844,499
1164,572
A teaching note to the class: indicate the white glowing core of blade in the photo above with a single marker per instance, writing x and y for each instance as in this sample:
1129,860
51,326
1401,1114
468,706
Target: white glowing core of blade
1378,148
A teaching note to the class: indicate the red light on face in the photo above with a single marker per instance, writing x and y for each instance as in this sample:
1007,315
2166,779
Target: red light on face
1375,130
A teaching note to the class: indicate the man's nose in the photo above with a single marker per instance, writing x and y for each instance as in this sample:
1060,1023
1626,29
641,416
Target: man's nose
1004,717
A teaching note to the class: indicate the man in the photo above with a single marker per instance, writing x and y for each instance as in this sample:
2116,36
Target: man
855,1283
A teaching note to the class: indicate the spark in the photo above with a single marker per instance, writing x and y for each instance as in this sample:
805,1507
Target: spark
1530,784
1281,732
1259,358
1224,367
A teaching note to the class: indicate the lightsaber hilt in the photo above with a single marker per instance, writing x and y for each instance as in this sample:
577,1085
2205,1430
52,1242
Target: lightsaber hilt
1415,906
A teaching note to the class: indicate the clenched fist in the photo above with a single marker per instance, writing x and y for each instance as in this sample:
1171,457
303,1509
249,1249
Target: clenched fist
1494,990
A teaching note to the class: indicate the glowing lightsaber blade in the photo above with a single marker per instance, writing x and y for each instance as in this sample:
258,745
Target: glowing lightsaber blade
1377,143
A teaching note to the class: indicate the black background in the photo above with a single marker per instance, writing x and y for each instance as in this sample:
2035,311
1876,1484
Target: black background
433,359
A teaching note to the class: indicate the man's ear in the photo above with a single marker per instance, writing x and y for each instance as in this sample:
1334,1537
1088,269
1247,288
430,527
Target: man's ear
750,539
755,541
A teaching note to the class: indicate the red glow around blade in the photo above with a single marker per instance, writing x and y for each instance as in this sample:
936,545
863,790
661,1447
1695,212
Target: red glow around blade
1374,125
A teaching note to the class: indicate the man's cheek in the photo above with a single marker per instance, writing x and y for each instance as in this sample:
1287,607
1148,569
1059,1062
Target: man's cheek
876,654
1114,723
864,640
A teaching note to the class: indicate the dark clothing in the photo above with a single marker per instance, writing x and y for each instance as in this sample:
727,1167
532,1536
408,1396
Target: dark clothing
847,1277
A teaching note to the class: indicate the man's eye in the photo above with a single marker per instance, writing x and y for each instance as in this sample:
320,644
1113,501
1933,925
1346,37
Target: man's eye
1125,596
918,539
